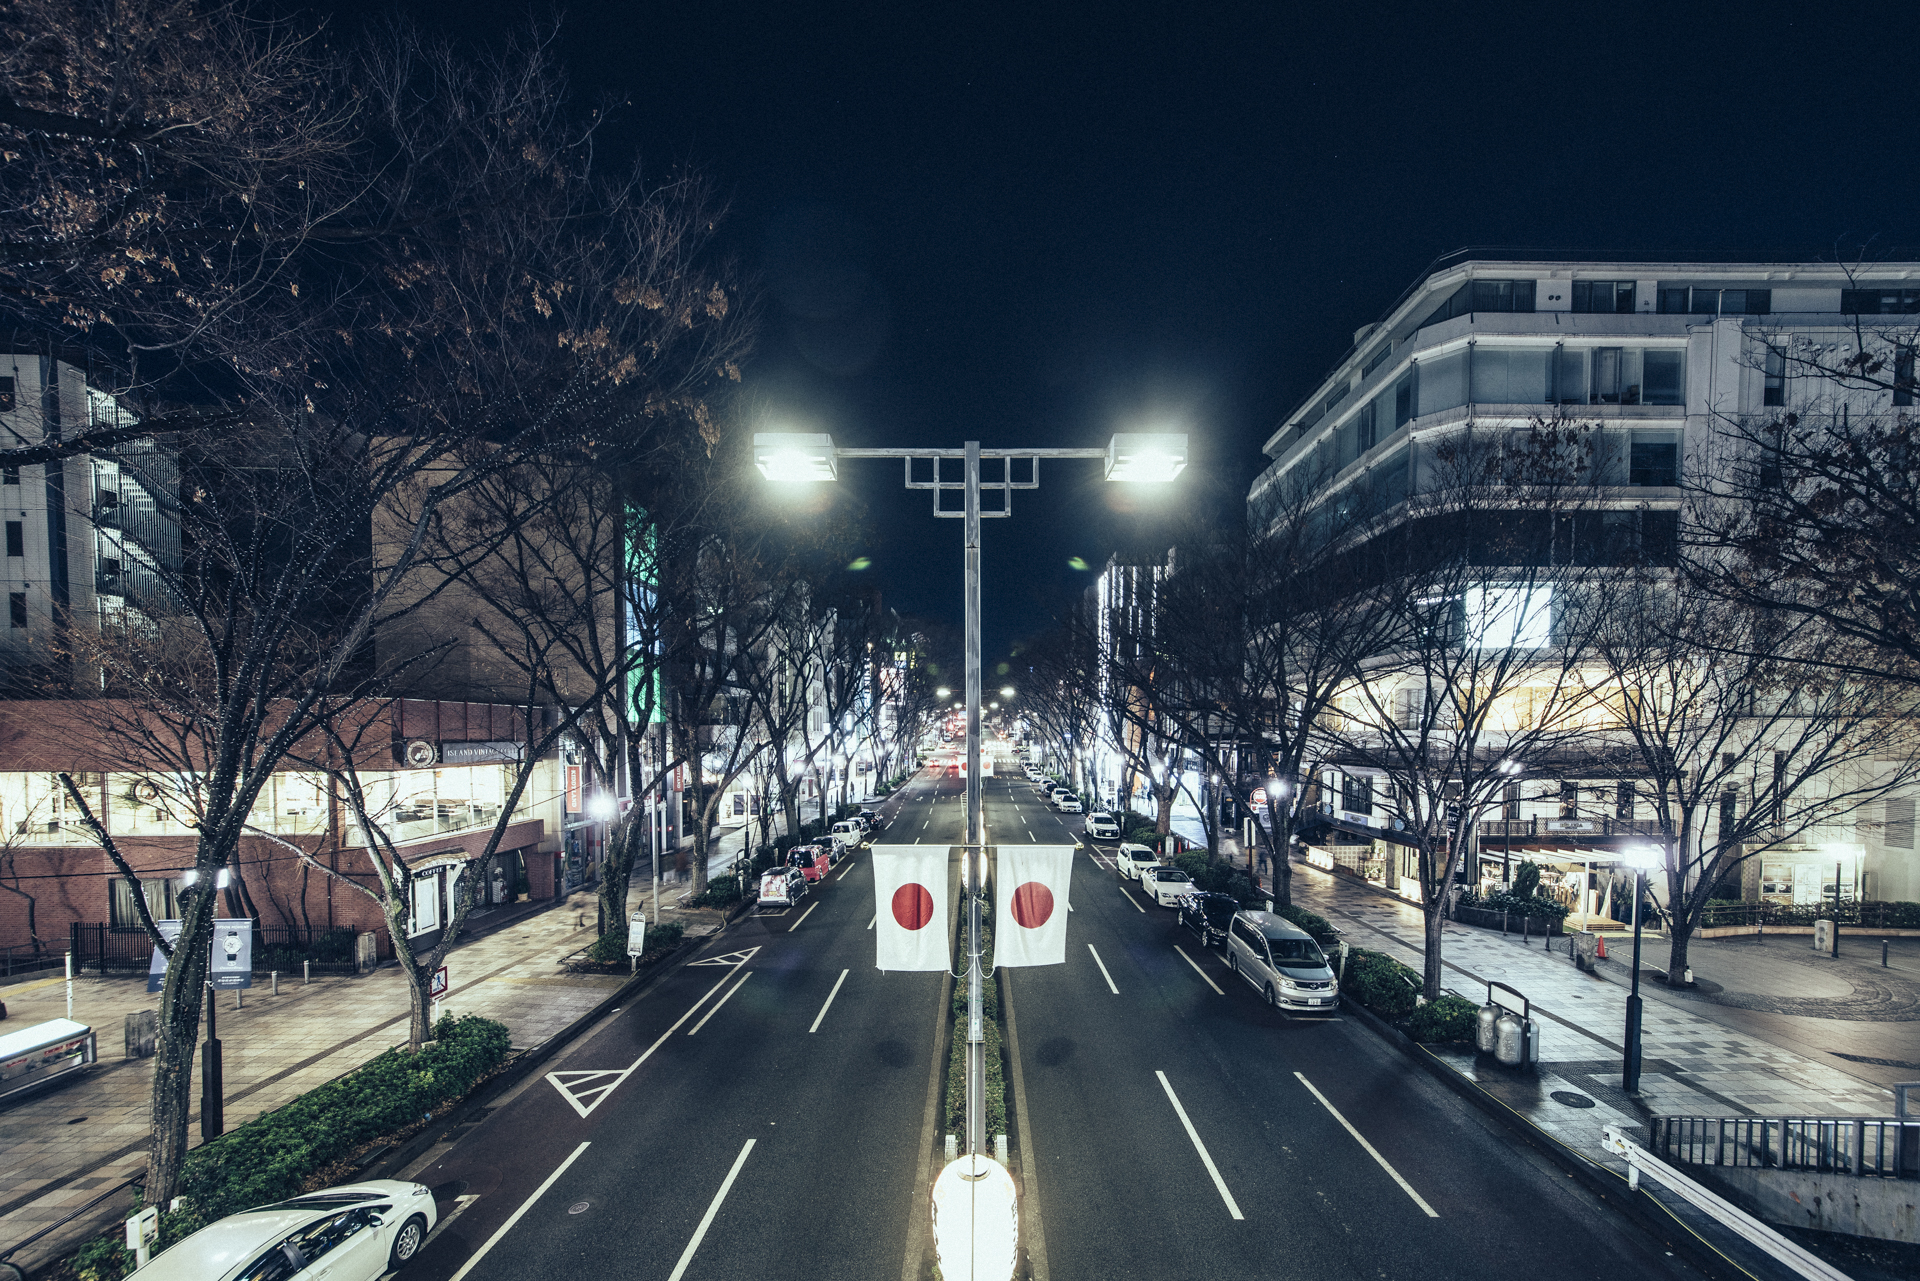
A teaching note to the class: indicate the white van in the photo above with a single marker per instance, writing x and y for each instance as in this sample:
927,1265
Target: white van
847,834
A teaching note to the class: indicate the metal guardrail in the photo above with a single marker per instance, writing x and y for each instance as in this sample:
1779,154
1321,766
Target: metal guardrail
1869,1147
25,958
1641,1162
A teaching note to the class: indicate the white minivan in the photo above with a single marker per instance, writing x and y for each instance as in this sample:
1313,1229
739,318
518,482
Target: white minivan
847,834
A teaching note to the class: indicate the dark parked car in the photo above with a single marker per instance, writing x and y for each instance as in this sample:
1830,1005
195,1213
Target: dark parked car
1208,915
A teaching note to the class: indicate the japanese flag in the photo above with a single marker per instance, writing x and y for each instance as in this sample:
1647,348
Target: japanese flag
1031,884
910,907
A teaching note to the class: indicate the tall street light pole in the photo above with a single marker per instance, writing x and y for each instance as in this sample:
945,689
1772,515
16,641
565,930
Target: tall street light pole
1640,858
812,456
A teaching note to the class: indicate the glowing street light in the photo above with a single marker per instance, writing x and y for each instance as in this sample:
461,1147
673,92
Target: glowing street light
1006,691
794,457
1642,859
943,692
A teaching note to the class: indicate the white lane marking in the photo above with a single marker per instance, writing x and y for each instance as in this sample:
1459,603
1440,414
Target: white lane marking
1197,970
706,1221
849,863
1130,899
1103,970
823,1009
603,1087
460,1206
1233,1207
1373,1152
876,916
803,916
514,1218
722,1001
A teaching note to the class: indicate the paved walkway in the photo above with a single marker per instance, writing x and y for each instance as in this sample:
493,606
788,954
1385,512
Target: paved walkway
1697,1058
65,1144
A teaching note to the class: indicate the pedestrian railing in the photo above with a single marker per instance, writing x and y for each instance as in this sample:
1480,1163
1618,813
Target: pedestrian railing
29,958
1871,1147
1857,915
104,949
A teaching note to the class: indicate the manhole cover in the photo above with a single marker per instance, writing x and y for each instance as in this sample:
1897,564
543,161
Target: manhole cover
578,1207
1571,1099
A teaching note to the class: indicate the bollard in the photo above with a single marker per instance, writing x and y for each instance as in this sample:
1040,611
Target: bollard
1760,932
276,982
1883,954
239,999
306,972
1526,931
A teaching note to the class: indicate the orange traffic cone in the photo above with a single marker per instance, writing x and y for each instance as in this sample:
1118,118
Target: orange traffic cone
1603,947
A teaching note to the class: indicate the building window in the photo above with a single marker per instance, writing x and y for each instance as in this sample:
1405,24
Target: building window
1624,801
9,475
1880,302
1484,295
1364,433
1604,296
1683,300
1899,831
1376,360
1653,463
16,538
1775,390
1356,794
1902,377
159,894
1663,377
17,608
6,394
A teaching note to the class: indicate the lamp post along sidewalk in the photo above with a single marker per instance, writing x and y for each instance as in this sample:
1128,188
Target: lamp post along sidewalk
1641,858
803,457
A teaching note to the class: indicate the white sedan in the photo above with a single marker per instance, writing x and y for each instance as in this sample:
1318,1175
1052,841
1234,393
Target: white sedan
354,1233
1131,860
1166,885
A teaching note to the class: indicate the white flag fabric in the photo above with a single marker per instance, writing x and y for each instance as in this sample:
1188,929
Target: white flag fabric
910,907
1031,885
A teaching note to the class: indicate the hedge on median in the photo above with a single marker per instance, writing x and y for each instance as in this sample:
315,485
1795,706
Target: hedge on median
270,1157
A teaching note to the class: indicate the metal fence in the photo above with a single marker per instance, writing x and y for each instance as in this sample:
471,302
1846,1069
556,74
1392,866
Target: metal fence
1859,915
106,950
1884,1148
29,958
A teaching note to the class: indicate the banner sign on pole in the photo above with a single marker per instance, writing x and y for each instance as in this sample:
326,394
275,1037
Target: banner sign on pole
232,963
910,907
157,968
1031,883
575,802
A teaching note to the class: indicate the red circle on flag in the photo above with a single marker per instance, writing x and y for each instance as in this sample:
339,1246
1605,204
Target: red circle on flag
1032,905
912,905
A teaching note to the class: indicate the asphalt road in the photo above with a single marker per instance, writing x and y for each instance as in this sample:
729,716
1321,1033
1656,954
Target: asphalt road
762,1113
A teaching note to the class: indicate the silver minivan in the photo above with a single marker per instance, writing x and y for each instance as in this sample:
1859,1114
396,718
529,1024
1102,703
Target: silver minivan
1282,962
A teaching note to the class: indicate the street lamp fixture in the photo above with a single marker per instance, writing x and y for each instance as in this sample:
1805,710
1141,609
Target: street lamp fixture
794,457
943,692
600,807
1006,691
1642,859
1147,457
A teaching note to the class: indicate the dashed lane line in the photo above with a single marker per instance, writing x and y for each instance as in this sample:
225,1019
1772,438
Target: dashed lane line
514,1218
803,916
823,1009
1131,899
706,1221
1206,1159
722,1001
1372,1151
1197,970
1103,970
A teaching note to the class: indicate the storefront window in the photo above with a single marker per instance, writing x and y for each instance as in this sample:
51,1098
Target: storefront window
292,804
154,804
411,804
35,810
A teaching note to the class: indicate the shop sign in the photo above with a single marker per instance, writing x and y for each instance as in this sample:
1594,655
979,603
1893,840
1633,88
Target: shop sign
575,802
481,752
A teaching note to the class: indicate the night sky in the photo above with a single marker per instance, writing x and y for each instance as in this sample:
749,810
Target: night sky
1039,224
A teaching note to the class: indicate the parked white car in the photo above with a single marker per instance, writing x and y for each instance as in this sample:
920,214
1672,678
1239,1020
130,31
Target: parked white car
1131,860
847,833
1165,885
1066,802
1102,826
354,1233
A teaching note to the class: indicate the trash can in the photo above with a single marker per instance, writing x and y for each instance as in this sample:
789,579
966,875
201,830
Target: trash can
1823,935
1485,1037
1510,1038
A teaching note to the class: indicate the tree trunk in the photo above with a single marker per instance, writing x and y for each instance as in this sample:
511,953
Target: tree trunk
623,841
1430,970
703,842
1163,804
181,999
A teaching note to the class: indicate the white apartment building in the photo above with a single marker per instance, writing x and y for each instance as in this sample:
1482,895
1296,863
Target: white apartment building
81,533
1654,354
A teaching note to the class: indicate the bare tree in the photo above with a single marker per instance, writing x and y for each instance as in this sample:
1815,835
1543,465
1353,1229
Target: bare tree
455,291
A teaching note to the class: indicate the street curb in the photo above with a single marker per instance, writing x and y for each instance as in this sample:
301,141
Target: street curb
1609,1187
411,1150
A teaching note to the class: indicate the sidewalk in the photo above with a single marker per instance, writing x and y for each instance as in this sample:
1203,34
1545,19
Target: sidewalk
1697,1058
67,1143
